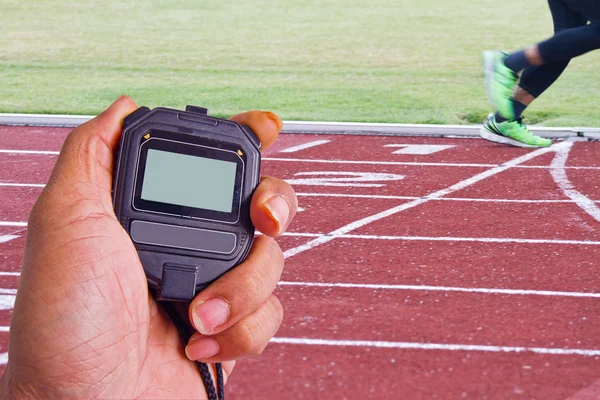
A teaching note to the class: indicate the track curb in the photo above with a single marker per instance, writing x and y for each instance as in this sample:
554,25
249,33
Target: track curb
348,128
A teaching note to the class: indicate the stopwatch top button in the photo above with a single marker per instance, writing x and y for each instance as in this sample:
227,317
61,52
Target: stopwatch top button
196,110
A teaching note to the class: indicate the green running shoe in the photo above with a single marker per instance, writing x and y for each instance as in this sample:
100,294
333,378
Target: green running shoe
500,83
511,132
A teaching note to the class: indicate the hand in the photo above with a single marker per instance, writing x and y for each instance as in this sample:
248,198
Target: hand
84,325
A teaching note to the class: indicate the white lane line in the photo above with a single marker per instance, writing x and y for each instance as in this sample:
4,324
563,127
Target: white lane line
468,239
436,346
418,164
319,161
450,239
9,184
424,288
372,196
5,273
304,146
421,238
4,328
7,238
10,223
557,170
465,199
28,152
3,358
8,291
440,193
302,234
7,302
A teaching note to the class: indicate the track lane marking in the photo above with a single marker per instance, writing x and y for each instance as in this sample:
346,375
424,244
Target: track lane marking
7,238
470,239
440,193
304,146
420,149
419,164
5,273
436,346
343,179
9,184
7,302
451,239
9,151
423,238
465,199
557,170
3,358
12,223
366,162
4,328
429,288
425,288
369,196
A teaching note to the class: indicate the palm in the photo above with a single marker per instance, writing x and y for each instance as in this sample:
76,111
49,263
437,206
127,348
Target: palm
101,328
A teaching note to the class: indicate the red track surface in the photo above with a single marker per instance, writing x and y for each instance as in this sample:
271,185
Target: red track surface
449,258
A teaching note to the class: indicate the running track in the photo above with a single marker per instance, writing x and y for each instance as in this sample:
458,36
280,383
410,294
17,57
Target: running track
460,269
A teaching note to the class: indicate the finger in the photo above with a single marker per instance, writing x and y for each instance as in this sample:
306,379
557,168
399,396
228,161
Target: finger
227,370
241,291
273,206
88,153
264,124
249,337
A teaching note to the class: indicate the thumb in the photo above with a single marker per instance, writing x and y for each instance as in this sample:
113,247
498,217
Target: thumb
85,163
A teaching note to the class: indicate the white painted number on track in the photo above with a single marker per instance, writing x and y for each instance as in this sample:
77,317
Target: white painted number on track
350,179
419,149
304,146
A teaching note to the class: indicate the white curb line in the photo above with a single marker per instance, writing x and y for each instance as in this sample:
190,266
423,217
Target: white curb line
326,127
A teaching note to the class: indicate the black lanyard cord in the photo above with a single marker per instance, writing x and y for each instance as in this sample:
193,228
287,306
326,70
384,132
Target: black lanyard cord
185,332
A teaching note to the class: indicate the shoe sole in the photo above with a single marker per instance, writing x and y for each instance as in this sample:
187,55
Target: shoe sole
496,138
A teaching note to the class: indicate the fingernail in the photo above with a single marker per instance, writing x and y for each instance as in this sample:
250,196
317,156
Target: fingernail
210,314
278,210
201,349
274,118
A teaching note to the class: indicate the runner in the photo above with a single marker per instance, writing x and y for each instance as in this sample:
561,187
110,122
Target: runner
537,67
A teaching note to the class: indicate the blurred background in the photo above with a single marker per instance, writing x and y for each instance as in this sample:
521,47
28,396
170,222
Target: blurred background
409,61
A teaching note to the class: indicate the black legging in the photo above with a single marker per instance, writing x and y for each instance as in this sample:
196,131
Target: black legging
573,36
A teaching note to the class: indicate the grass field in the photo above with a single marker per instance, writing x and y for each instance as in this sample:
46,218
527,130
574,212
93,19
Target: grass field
412,61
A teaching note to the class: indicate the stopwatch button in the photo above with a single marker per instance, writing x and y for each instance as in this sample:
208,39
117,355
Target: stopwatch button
196,110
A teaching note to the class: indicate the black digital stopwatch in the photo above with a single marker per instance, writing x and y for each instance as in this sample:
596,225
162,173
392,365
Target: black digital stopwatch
182,189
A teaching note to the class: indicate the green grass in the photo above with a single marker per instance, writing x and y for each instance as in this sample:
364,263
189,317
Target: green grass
412,61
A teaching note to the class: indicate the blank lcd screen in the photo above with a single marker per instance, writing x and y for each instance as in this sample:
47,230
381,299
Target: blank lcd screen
189,181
